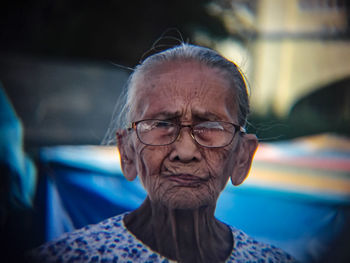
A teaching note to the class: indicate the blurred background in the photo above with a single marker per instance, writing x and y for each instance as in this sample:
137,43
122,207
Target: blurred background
63,65
58,60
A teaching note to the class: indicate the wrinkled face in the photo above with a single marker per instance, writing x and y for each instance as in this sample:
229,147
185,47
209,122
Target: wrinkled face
184,174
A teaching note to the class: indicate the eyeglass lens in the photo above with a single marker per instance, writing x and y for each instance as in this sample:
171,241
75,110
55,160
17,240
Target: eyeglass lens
209,134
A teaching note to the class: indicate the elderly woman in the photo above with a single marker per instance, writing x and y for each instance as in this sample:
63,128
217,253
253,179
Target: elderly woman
185,113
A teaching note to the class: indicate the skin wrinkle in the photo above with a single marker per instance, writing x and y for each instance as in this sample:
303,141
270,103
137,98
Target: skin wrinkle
177,220
173,231
190,96
197,196
157,185
197,233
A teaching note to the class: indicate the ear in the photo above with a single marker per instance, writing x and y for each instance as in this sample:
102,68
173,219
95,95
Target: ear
127,154
245,154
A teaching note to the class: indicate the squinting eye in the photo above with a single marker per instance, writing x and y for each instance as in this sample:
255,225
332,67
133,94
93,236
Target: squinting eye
209,126
162,124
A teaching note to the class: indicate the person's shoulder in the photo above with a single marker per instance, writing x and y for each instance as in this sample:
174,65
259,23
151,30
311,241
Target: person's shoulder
248,249
82,243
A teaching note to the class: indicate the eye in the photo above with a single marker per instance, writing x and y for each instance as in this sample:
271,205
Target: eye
162,124
209,126
162,128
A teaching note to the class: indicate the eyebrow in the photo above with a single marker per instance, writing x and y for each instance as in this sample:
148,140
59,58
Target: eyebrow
196,115
205,115
166,115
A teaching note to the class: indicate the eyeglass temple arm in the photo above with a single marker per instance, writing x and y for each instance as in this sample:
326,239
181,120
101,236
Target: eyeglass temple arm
131,126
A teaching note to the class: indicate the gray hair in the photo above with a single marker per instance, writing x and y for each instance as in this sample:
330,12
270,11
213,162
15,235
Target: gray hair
184,52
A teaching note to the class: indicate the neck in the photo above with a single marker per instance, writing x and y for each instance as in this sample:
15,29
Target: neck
183,235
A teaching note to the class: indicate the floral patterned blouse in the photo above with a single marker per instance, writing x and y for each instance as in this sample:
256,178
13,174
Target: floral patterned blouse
111,241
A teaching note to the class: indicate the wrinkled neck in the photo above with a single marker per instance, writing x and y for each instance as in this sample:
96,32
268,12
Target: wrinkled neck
185,235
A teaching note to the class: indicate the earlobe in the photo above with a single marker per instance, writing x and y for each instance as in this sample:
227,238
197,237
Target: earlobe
246,151
127,154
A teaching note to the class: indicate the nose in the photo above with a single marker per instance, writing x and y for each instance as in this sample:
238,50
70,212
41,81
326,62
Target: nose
185,149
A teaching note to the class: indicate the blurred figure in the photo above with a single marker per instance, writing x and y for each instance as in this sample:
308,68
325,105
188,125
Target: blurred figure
17,183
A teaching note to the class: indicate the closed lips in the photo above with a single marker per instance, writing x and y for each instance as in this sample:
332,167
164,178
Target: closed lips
186,179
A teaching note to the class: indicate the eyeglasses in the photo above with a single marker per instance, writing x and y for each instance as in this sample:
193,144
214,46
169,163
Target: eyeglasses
212,134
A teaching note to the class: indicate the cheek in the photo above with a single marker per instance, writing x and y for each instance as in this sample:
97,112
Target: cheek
220,164
149,166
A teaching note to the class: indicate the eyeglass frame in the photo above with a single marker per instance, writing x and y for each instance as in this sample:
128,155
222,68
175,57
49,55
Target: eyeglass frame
133,126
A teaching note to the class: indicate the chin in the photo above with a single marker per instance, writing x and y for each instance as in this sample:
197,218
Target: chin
183,200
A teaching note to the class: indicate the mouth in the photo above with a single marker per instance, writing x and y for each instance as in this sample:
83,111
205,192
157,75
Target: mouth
186,179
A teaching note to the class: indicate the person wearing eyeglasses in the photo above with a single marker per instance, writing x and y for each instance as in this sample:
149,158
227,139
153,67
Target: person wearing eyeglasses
181,131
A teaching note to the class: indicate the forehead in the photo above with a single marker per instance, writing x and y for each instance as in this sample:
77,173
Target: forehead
184,88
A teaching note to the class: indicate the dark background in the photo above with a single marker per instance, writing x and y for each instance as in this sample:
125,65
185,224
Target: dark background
115,30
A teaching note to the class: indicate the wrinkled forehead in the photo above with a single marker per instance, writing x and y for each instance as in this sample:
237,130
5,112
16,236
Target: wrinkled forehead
185,82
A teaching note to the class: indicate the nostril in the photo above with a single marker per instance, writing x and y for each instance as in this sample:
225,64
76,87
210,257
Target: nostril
185,149
183,158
